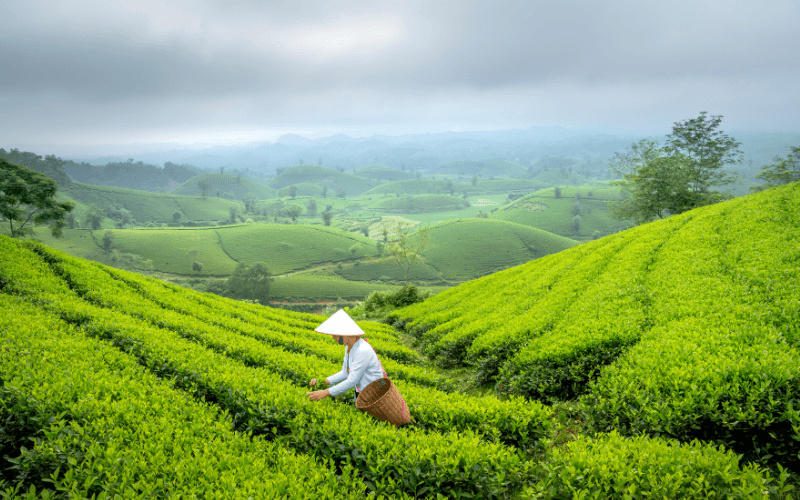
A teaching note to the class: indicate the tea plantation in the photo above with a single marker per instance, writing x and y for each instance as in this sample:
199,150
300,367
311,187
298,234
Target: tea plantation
678,339
686,328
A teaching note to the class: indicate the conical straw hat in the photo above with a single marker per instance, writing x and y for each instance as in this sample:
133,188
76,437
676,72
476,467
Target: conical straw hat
339,324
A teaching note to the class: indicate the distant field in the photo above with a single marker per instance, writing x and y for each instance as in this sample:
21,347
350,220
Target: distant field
382,173
466,248
147,207
483,167
543,210
420,204
286,248
222,184
323,177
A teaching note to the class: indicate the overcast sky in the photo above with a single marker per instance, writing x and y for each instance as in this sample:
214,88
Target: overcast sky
97,72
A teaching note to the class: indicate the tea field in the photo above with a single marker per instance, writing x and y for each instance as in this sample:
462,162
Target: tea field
685,328
116,385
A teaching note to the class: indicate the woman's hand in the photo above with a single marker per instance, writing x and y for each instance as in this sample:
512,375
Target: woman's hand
318,395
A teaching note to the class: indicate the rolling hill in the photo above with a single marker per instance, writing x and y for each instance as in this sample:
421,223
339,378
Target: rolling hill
426,203
323,177
224,186
382,173
147,207
556,214
685,328
484,168
463,249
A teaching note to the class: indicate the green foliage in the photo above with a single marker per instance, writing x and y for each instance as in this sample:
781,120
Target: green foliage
405,250
781,171
27,197
379,303
612,466
685,328
658,182
261,389
250,282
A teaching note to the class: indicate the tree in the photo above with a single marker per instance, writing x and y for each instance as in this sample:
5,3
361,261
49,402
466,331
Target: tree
705,151
233,209
108,239
251,283
324,191
204,187
176,217
474,180
558,192
94,218
312,208
294,211
327,217
653,185
660,181
576,223
292,191
406,248
27,196
197,266
780,171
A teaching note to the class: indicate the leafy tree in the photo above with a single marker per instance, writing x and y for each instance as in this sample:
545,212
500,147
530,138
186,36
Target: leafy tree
197,266
251,283
474,180
176,217
558,192
327,217
705,151
293,191
294,211
312,208
108,239
406,249
27,196
324,191
233,209
781,171
94,218
660,181
204,187
653,185
576,223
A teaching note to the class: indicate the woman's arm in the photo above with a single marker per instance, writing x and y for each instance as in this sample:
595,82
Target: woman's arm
358,365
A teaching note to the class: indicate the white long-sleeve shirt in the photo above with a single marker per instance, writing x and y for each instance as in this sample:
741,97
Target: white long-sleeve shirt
364,368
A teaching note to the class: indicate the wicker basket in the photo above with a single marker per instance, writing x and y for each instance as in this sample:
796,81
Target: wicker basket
382,400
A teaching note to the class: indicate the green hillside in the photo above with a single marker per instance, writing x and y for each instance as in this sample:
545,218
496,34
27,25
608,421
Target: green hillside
284,248
483,168
323,177
410,187
224,186
544,210
685,328
420,204
382,173
147,207
462,249
117,385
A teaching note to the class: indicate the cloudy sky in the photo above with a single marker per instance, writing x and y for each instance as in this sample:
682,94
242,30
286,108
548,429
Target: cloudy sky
191,71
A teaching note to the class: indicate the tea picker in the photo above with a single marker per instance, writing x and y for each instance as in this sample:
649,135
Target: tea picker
362,370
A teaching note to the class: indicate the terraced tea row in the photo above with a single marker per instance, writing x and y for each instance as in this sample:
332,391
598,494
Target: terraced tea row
93,423
686,327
